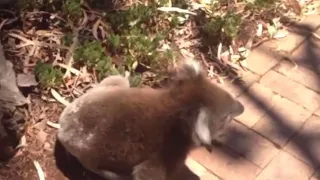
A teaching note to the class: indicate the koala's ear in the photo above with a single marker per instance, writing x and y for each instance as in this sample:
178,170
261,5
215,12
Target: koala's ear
237,108
187,70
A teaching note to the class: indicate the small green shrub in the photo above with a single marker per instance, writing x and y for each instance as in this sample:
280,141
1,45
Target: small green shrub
229,23
73,8
48,75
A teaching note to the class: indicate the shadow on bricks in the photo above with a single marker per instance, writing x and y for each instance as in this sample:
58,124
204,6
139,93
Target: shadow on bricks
304,142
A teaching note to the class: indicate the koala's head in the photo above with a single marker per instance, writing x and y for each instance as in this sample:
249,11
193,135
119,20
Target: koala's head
215,106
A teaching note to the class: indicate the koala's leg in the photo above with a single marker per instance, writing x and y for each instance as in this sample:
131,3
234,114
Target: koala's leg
112,176
150,169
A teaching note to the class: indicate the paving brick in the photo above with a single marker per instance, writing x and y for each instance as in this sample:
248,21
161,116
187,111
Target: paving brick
246,142
291,90
209,176
282,121
300,74
262,58
251,100
306,145
311,20
298,34
195,167
308,55
235,89
285,167
226,164
289,43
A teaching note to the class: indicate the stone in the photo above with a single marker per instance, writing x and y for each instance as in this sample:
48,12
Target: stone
26,80
249,144
306,145
254,100
9,92
226,164
285,167
282,121
291,90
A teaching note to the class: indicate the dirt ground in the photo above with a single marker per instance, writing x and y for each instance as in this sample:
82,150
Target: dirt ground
41,146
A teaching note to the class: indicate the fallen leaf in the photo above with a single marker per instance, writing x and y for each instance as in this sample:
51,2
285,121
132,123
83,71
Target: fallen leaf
22,143
54,125
95,29
39,170
281,34
294,5
58,97
260,30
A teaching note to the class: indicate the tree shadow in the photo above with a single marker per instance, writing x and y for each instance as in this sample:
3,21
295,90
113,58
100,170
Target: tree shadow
302,141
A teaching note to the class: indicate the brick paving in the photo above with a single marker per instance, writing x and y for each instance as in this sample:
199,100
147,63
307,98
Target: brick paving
278,135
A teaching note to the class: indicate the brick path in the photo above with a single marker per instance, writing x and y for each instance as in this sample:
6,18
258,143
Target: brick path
278,135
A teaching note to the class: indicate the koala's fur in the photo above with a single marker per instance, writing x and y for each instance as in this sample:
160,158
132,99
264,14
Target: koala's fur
121,132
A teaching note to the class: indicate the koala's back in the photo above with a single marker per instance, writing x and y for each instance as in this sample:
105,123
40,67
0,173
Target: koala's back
122,127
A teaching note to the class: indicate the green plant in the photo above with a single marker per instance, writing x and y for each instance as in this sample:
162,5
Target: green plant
73,8
261,4
134,16
229,23
135,80
67,39
141,48
48,75
90,52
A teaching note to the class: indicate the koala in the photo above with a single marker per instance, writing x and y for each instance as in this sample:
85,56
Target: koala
121,132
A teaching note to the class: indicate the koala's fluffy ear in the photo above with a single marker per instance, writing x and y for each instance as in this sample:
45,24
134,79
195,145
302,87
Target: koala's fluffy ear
116,80
187,70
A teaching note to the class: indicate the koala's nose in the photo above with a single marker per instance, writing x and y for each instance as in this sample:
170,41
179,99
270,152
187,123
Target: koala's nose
238,108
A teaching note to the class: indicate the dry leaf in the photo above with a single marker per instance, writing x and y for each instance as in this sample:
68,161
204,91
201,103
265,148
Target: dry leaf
39,170
271,30
260,30
281,34
54,125
294,5
95,29
22,143
58,97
